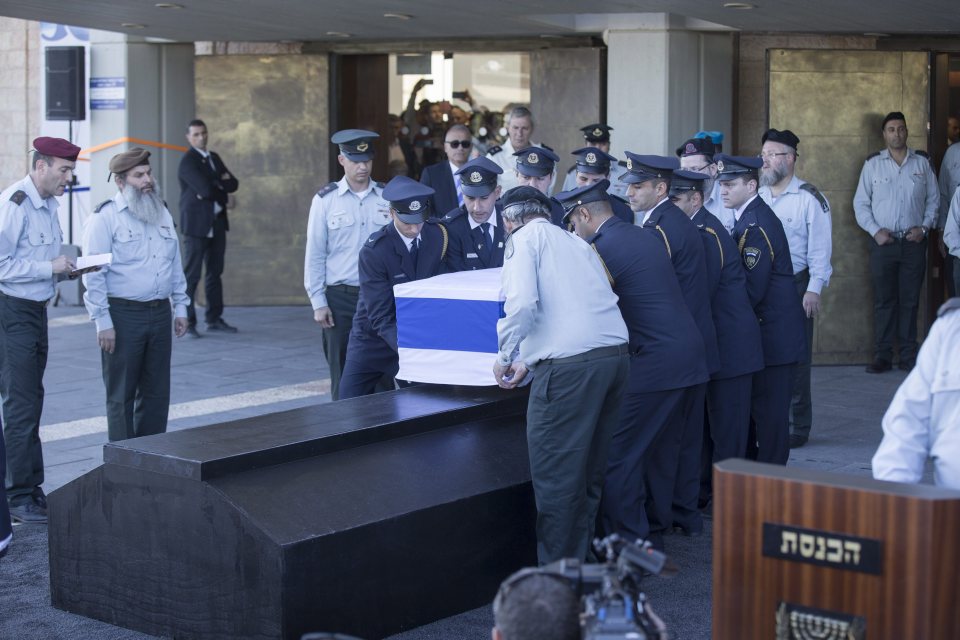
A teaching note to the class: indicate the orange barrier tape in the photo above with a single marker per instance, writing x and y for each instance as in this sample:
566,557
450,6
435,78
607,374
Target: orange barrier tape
146,143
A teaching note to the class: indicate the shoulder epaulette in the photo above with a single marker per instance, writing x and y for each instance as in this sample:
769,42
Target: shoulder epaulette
327,189
375,236
100,206
453,215
948,306
17,197
622,163
922,153
873,155
380,185
543,146
812,190
492,151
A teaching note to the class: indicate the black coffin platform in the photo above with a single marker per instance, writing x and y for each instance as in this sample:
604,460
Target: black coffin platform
366,516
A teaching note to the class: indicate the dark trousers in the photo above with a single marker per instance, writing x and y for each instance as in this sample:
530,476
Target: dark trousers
801,405
370,367
23,359
726,428
897,271
645,418
137,373
686,467
342,300
955,282
6,527
770,412
209,251
573,410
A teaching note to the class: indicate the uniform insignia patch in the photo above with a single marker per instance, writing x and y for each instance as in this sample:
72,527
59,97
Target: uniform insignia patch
508,250
591,158
476,177
494,150
533,158
18,197
415,205
751,257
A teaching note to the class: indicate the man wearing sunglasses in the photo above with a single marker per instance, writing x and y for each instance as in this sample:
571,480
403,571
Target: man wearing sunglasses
442,177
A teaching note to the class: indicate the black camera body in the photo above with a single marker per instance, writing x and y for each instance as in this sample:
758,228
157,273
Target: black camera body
613,607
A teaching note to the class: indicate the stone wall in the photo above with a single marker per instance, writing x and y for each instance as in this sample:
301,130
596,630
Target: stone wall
20,111
268,118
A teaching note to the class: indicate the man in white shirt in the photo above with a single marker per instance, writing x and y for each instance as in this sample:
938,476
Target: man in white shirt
563,327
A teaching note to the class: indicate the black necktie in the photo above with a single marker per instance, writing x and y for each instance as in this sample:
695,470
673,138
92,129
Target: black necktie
415,251
486,244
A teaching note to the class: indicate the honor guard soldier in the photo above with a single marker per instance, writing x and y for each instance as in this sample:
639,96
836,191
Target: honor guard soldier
896,202
738,338
598,136
30,266
342,216
805,215
412,247
561,321
519,130
696,154
649,180
765,253
476,228
593,165
537,167
666,352
130,299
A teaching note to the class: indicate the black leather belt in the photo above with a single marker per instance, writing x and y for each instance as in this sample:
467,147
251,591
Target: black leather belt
124,302
39,303
593,354
349,288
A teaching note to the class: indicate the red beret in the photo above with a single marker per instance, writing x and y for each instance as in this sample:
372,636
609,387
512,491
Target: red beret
56,147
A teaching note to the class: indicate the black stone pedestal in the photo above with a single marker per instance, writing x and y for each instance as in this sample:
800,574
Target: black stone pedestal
366,516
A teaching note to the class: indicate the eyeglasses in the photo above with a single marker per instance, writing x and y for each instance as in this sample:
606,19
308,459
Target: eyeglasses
770,155
454,144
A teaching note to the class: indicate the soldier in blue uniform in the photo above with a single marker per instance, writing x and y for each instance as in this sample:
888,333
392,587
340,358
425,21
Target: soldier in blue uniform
537,167
476,229
412,247
738,338
666,352
598,136
762,245
649,180
593,165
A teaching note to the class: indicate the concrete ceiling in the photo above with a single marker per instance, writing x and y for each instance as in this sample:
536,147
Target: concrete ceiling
363,20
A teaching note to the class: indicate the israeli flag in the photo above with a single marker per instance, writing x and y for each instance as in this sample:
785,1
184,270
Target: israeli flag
447,327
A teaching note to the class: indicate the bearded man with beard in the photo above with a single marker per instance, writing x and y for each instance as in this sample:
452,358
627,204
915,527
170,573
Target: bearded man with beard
805,215
130,299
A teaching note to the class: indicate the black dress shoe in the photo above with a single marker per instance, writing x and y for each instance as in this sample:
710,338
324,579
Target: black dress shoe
797,441
39,498
879,366
690,533
28,513
906,365
192,331
220,325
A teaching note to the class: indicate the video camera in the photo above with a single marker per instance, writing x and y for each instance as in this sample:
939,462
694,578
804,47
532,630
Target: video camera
612,605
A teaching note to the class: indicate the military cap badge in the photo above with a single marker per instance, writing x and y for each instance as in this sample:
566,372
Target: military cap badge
533,158
415,205
476,177
629,163
591,158
598,132
363,146
720,166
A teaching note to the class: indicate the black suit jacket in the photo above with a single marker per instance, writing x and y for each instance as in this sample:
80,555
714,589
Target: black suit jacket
439,177
464,254
200,188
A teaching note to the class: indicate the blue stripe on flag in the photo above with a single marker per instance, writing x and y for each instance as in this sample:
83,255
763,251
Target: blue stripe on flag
453,325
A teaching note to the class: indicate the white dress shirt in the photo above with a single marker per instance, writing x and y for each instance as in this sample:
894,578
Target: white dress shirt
30,239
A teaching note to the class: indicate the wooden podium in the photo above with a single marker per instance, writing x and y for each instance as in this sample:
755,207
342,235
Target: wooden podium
805,554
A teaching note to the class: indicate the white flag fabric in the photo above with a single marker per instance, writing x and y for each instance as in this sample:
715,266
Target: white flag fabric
447,327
